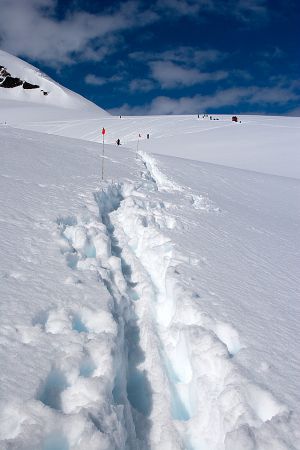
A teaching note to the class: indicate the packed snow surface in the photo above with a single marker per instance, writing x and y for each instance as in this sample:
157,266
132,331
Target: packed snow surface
157,309
259,143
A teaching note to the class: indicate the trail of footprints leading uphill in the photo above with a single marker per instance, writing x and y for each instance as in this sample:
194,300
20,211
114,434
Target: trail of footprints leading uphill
152,370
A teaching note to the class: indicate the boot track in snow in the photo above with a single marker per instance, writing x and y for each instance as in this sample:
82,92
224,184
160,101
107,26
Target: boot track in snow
156,372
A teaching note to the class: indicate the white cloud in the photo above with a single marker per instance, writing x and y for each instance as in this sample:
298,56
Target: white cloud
272,95
241,74
180,7
181,67
295,112
244,11
183,54
100,81
252,95
141,85
94,80
248,10
30,28
171,75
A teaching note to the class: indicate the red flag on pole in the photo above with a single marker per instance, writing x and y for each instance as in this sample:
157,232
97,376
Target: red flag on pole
103,131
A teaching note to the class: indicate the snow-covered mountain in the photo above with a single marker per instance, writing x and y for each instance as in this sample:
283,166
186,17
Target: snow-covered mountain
22,85
157,309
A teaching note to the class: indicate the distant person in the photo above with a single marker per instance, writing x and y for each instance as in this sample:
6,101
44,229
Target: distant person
198,116
120,117
118,142
148,136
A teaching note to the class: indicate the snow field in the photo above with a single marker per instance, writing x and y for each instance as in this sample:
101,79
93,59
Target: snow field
163,373
145,367
260,143
59,339
73,406
121,353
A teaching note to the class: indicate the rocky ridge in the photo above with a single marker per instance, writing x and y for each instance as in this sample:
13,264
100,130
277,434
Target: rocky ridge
8,81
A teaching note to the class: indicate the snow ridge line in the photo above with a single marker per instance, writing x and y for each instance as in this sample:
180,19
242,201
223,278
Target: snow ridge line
131,385
91,244
94,247
162,182
207,399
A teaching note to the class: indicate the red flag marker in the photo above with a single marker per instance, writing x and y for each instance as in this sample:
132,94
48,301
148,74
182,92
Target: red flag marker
103,131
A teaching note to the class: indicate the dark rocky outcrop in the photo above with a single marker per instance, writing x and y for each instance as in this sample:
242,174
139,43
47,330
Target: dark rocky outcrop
11,82
27,85
8,81
3,73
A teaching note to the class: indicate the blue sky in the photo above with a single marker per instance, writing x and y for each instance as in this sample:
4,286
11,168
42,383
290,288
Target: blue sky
164,56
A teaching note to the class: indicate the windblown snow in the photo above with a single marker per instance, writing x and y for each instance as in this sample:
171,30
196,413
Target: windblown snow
157,309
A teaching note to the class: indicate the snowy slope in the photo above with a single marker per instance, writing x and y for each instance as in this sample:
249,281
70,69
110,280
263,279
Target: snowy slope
156,310
259,143
16,103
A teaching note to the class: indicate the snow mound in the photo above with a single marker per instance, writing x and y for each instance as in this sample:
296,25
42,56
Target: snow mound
48,93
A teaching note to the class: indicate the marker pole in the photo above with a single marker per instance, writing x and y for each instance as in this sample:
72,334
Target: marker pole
103,134
102,157
137,145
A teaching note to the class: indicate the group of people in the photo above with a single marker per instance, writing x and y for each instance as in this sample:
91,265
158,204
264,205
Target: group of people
234,118
118,141
210,117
